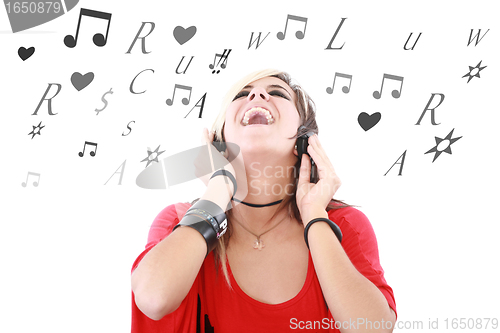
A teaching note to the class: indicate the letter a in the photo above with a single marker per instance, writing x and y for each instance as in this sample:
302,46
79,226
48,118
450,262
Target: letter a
432,110
404,47
49,100
122,166
256,40
329,47
476,37
202,99
143,39
402,158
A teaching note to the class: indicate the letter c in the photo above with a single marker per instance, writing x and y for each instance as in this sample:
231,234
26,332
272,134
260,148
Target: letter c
132,83
265,174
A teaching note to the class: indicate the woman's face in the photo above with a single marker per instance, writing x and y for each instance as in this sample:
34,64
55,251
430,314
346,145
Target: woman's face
262,117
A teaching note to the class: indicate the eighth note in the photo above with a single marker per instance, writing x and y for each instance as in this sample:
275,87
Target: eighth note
395,93
299,34
99,39
224,63
92,153
185,100
345,89
35,183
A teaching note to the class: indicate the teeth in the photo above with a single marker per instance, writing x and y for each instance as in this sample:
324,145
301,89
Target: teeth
265,112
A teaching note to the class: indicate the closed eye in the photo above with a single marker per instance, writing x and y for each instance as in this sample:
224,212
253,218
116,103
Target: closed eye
241,94
272,93
278,93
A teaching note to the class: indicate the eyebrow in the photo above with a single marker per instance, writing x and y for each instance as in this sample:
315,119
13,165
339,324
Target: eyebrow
270,86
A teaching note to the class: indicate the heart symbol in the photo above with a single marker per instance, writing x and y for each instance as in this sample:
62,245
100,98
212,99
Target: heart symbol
25,53
43,12
182,35
81,81
367,121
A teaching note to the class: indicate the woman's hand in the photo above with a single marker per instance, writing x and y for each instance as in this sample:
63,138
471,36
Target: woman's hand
309,195
210,160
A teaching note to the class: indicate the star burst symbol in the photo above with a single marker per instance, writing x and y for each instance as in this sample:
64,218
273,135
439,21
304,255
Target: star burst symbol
471,69
36,130
443,145
152,156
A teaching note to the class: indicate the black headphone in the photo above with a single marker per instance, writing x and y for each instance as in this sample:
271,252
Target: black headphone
302,143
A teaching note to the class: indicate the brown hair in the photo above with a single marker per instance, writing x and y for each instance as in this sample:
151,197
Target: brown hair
307,111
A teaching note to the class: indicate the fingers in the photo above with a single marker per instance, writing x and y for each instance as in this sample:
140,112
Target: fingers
326,170
314,142
206,136
237,167
320,158
211,136
205,140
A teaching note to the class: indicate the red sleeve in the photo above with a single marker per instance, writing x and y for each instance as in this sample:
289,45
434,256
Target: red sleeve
360,244
184,318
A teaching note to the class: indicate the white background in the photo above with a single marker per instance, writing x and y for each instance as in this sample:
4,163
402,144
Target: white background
67,246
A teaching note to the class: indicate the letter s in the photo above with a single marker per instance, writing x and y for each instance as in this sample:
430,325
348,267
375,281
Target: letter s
130,130
256,187
255,169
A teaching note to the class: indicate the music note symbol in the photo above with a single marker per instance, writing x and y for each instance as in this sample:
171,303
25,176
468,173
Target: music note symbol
345,89
35,183
185,100
92,153
99,39
299,34
395,93
224,63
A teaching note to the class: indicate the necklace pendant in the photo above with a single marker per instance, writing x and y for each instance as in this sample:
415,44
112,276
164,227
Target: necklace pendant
258,244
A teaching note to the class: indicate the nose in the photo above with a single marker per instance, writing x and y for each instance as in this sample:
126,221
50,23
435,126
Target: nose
258,92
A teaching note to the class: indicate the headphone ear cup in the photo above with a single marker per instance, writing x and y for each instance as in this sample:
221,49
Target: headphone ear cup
301,146
303,142
219,144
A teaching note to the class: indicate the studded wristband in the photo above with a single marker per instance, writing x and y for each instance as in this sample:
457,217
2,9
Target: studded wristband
203,227
208,219
210,208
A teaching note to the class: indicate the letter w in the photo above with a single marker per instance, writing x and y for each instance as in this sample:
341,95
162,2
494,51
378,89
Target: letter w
256,39
476,37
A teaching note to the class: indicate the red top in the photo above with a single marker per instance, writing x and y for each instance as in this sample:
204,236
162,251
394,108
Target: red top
210,306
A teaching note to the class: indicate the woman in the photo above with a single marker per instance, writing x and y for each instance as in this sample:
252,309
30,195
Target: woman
264,273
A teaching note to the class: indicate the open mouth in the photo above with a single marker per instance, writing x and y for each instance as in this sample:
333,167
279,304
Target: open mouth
257,115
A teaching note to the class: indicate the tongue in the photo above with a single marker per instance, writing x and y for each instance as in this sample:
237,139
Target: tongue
257,119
